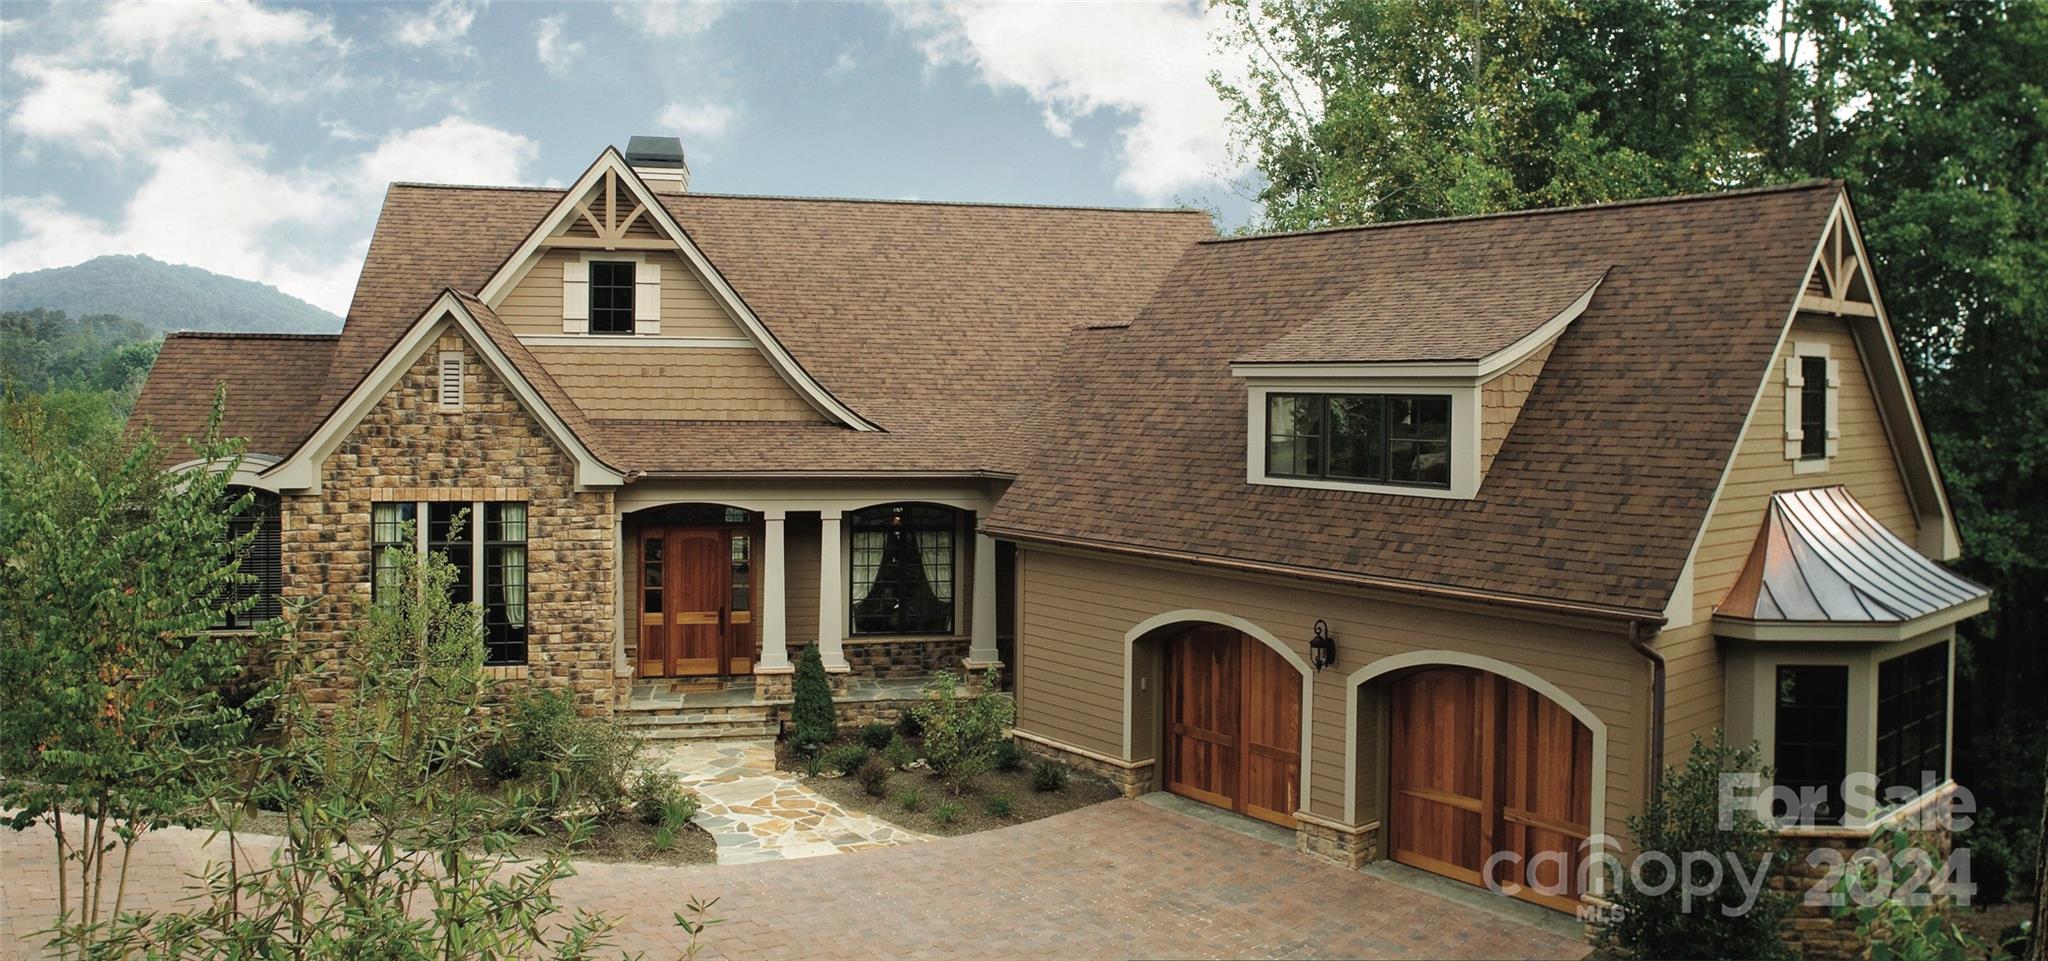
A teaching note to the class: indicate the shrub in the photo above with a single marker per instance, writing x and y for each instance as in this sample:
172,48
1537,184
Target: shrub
814,721
947,812
909,799
1892,928
678,810
653,790
900,754
1008,756
814,765
1049,776
961,732
1656,918
874,776
877,736
907,724
573,762
846,758
1001,806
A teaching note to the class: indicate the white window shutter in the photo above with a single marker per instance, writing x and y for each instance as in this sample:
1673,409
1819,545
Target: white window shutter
575,297
1793,381
451,380
647,298
1834,411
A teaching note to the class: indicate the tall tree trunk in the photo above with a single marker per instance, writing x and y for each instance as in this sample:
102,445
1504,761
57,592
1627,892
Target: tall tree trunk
2038,937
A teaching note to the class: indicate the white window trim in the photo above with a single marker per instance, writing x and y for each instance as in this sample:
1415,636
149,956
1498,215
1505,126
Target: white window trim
646,294
1464,435
1795,407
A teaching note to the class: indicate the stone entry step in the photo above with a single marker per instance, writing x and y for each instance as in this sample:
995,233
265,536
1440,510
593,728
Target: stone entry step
700,723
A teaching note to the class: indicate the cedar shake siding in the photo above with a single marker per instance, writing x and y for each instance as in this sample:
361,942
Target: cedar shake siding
683,383
407,448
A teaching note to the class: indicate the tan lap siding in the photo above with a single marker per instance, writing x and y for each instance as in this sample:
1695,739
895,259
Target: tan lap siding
1074,610
1863,461
534,305
679,383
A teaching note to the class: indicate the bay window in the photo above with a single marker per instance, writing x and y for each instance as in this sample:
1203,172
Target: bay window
1811,750
1912,718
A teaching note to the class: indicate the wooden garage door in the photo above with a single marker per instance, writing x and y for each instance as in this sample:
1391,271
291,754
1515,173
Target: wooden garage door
1233,724
1480,764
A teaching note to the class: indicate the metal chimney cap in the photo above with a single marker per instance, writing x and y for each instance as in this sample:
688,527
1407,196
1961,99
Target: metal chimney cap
655,152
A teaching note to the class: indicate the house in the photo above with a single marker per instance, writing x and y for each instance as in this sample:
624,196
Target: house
1428,540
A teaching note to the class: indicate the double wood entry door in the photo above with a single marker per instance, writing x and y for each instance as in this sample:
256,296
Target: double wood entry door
696,601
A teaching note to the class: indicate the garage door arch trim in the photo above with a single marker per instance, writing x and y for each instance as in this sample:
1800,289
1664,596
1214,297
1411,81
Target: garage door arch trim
1191,616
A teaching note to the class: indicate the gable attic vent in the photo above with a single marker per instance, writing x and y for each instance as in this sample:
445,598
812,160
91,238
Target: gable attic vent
659,161
451,380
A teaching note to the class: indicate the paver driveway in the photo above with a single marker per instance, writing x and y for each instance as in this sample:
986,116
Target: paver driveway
1119,879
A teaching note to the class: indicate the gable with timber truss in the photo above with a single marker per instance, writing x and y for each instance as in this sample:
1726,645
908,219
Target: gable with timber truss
693,349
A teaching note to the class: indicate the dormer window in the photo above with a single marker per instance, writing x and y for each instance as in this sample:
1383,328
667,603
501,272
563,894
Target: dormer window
1397,439
611,297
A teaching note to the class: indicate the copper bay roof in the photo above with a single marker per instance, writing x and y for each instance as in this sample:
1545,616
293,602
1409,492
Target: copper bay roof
1821,558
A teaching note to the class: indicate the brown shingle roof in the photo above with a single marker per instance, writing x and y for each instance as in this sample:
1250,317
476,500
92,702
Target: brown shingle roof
1452,303
1597,494
273,383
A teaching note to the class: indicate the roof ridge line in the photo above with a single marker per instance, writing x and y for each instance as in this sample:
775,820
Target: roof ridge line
248,335
1103,208
1807,184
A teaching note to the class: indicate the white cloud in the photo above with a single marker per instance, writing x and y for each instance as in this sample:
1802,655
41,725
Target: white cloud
842,64
441,24
702,120
668,20
1148,63
86,110
226,30
555,55
456,150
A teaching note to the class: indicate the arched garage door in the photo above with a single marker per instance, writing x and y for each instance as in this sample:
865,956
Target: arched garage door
1480,764
1233,724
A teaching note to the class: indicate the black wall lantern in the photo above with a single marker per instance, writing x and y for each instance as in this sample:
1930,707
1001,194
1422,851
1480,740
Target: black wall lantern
1322,648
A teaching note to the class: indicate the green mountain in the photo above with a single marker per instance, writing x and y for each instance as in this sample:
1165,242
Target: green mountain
163,297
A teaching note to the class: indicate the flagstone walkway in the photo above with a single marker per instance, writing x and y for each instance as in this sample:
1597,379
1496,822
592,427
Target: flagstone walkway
756,813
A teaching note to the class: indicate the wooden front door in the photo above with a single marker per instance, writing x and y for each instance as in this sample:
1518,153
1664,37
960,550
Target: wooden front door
695,615
1480,764
1233,724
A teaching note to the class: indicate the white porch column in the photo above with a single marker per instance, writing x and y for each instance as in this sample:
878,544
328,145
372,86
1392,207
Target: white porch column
981,635
774,626
831,594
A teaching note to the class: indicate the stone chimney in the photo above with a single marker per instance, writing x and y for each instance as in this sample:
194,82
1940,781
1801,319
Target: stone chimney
659,161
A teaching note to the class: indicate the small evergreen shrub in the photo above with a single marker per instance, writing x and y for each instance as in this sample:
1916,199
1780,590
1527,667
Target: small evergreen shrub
961,732
1001,806
947,812
874,776
877,736
1651,917
814,720
900,754
910,799
653,790
1049,777
1009,757
846,758
908,725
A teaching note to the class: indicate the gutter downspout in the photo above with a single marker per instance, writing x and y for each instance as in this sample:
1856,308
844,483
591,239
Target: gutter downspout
1641,646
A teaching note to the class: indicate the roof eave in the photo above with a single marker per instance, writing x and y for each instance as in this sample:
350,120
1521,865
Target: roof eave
1867,632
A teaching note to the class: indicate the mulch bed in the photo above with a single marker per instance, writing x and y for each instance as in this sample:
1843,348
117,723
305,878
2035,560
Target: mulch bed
972,804
624,840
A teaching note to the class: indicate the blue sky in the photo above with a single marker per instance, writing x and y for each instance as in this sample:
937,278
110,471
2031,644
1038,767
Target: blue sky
256,139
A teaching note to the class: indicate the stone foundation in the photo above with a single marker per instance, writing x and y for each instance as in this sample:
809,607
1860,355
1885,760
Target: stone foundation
1812,931
919,658
1341,844
1132,778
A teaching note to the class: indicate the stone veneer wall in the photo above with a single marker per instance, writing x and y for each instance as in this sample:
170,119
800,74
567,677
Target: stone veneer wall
407,448
1812,931
919,658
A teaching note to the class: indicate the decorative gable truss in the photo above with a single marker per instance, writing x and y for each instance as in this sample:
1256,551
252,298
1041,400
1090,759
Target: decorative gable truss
610,214
1839,282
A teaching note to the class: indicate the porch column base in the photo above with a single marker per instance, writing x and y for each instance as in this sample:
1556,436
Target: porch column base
774,687
1345,845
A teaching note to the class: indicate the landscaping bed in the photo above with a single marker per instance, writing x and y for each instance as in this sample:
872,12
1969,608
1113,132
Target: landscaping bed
621,840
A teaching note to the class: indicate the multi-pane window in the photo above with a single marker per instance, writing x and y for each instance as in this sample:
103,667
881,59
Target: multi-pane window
1811,753
902,569
504,583
489,558
1912,717
1813,408
262,560
1382,438
611,297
